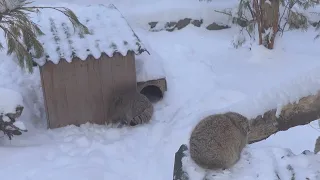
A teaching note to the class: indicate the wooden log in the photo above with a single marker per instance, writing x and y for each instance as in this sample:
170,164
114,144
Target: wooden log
293,114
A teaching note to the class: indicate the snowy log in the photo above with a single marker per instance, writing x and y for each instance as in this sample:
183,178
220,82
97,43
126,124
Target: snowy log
293,114
255,163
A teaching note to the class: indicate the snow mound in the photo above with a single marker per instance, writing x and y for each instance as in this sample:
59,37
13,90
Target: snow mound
142,12
9,100
109,33
149,66
261,163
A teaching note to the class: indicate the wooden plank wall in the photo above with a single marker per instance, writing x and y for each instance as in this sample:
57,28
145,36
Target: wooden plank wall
80,92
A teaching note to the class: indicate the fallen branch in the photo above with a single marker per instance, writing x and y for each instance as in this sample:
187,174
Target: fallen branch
7,121
292,115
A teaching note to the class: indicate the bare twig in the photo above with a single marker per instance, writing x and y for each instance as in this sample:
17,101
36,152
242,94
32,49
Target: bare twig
258,17
287,7
9,129
253,14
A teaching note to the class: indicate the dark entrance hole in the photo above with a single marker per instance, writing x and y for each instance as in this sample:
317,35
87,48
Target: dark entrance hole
153,93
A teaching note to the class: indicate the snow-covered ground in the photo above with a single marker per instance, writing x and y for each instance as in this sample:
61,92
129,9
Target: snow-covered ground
205,75
262,164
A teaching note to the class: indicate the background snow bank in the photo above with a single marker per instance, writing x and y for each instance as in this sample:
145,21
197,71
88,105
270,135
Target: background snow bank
163,11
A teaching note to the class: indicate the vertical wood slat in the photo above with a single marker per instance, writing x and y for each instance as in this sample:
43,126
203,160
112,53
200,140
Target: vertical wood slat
95,88
85,114
60,94
105,65
70,76
131,81
122,78
80,91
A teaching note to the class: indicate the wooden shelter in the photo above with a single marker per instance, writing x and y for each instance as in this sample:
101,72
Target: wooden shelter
153,89
151,75
80,74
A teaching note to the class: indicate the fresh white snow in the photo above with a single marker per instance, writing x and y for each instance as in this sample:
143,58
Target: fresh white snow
205,75
143,11
149,66
264,164
9,100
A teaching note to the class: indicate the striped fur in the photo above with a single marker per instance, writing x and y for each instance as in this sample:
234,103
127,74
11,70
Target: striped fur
132,109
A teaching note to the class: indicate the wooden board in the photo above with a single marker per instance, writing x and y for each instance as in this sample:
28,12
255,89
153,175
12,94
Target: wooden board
79,92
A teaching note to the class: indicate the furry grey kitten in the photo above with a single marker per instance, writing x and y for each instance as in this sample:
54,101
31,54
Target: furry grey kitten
131,109
217,141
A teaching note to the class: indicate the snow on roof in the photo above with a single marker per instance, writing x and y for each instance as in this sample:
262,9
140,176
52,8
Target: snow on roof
110,33
149,66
